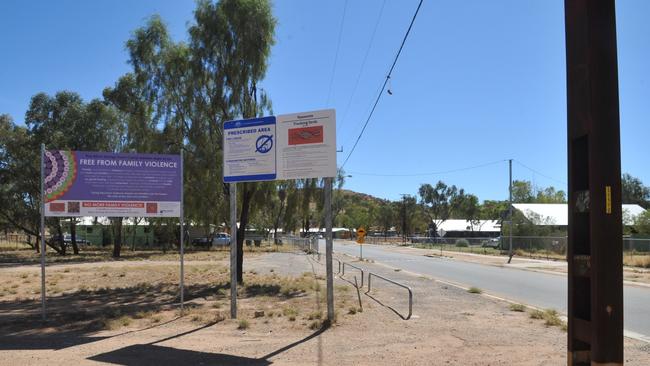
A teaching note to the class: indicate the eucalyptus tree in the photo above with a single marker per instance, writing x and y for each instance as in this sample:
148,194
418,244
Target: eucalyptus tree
187,90
62,121
439,202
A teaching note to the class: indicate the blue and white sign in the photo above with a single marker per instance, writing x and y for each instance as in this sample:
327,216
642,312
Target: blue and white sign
249,150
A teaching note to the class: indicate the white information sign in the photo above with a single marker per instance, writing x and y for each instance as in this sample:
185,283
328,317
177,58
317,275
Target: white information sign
249,150
290,146
306,145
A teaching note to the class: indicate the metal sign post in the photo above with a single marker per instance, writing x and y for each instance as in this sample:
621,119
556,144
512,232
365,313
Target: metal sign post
291,146
43,232
182,249
595,247
233,250
328,250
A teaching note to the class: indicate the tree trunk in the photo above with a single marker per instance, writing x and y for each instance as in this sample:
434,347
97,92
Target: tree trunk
73,236
136,221
59,232
117,236
247,196
277,223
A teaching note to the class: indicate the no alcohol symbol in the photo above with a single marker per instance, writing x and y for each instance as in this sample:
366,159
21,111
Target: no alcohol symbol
264,144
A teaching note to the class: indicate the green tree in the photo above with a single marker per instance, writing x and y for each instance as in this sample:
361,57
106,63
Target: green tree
550,195
191,89
642,223
634,191
468,208
386,216
439,202
522,192
19,178
232,50
62,121
493,210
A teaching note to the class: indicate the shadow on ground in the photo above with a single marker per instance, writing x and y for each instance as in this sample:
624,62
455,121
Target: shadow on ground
73,317
155,355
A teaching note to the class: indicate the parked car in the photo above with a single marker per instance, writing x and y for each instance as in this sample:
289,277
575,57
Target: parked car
219,239
67,239
492,243
201,242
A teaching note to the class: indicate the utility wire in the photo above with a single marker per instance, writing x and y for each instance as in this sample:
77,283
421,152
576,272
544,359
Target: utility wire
363,64
336,55
431,173
390,71
538,172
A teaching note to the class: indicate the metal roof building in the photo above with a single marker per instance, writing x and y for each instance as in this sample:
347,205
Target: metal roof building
556,214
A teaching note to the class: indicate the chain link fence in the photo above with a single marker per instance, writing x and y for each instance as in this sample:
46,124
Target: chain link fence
540,247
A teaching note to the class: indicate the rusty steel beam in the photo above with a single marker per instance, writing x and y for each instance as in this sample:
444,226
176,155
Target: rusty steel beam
595,248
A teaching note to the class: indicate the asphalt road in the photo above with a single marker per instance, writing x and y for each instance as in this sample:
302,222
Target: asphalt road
533,288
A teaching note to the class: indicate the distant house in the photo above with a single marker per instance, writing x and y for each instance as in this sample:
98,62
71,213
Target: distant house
557,214
99,232
337,232
461,228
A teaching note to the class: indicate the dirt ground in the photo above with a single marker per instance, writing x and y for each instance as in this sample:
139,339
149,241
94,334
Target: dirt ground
126,313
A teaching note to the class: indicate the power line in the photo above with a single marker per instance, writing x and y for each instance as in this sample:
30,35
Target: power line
383,87
336,55
363,63
431,173
538,172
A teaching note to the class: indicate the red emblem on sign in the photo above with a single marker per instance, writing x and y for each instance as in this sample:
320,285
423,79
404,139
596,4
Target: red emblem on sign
306,135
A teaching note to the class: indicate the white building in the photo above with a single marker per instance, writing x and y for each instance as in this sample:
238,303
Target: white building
557,214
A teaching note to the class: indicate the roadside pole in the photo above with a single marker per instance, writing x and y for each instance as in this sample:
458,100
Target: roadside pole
43,233
233,250
510,212
328,250
182,222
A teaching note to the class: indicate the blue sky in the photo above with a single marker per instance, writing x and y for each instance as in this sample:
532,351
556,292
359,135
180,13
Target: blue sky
478,82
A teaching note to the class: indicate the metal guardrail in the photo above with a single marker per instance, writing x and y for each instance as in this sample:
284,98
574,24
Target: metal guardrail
370,275
355,267
339,271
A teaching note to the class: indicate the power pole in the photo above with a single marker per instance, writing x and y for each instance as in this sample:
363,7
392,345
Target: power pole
510,213
595,246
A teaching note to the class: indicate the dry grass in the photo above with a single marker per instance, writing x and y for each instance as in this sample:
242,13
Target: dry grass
550,316
139,295
243,324
642,261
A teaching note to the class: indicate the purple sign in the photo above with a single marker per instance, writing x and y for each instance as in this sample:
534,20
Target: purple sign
80,183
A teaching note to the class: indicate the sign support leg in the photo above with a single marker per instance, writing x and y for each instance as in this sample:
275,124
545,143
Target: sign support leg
328,250
43,233
182,248
233,250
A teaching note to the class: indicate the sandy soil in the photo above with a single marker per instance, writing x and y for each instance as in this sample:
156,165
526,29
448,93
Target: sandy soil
449,326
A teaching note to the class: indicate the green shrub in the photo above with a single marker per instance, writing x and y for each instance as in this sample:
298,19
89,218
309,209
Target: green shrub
243,324
518,307
462,243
